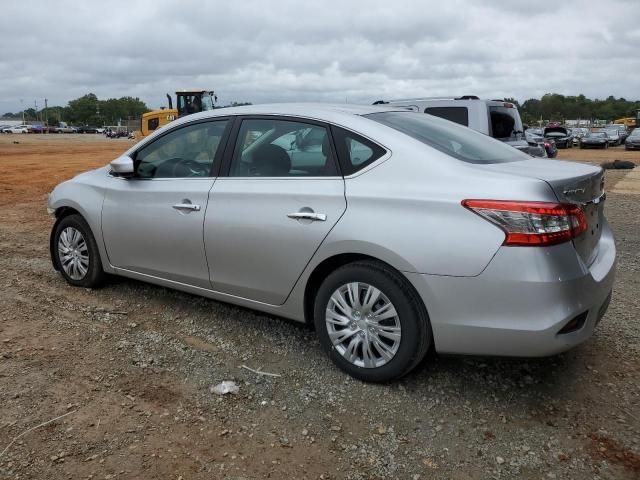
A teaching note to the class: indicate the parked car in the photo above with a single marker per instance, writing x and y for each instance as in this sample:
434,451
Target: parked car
64,128
559,135
88,129
614,136
577,133
550,147
623,131
551,151
117,132
633,140
17,129
595,140
495,118
537,149
393,232
39,128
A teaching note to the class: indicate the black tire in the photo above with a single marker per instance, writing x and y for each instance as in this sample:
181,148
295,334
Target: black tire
416,335
94,275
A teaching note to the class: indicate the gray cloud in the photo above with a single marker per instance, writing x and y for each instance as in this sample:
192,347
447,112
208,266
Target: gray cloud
357,51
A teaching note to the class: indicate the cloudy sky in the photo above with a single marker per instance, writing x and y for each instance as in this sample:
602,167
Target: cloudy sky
347,50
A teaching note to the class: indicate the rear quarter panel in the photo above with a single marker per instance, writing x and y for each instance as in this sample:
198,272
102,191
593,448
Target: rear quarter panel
407,212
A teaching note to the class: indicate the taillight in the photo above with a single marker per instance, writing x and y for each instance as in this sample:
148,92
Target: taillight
531,223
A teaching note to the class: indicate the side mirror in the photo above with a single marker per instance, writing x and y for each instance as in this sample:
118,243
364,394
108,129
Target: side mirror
122,165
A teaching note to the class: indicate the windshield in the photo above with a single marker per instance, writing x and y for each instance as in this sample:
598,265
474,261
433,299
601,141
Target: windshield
457,141
598,134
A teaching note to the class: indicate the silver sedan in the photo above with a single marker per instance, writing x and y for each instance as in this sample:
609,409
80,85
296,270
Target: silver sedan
393,232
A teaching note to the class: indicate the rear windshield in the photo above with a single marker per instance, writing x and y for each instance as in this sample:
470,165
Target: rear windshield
459,142
505,122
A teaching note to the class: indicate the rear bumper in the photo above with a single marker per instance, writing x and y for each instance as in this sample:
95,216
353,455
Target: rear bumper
524,297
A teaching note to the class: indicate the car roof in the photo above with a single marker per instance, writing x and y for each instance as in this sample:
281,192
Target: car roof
328,112
306,109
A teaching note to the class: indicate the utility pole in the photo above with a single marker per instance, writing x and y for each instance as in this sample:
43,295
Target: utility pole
35,109
46,113
22,105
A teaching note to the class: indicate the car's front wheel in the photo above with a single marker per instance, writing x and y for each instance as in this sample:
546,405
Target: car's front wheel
371,322
76,252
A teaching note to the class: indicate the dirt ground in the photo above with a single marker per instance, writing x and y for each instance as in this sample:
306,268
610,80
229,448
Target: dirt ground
132,364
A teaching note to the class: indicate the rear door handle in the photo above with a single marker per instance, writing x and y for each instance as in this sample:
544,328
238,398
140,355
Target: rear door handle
187,206
317,217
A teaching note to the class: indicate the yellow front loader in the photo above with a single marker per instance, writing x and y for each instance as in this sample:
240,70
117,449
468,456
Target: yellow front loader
187,102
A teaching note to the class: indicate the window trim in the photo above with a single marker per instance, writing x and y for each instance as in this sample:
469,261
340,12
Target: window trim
219,153
233,141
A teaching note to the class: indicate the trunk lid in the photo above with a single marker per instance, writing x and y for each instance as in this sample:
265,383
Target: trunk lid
557,130
571,182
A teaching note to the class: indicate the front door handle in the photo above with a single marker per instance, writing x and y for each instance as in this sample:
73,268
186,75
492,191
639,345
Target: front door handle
321,217
187,206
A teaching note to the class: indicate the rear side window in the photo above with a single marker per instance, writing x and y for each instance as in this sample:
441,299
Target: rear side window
459,142
459,115
355,151
282,148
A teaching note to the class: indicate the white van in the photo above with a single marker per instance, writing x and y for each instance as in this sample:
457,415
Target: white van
495,118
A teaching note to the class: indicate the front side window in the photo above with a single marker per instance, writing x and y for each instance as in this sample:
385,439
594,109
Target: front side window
282,148
459,115
459,142
189,151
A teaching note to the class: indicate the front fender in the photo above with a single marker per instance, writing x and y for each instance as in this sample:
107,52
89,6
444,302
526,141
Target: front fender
84,198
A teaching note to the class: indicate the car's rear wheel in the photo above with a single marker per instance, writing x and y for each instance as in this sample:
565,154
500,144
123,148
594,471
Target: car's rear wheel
76,253
371,322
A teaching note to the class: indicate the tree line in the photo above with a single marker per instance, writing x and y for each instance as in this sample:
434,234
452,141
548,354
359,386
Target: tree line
86,110
89,110
556,107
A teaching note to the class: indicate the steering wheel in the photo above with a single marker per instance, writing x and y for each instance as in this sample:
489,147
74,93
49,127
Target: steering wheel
189,168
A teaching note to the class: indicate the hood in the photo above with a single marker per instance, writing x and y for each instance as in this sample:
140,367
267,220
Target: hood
561,130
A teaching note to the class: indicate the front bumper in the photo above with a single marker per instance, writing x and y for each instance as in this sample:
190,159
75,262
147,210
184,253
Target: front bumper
632,146
520,302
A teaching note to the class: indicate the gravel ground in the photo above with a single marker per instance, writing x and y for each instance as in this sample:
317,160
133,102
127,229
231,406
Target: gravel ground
132,366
